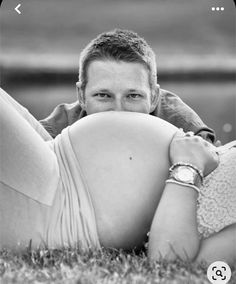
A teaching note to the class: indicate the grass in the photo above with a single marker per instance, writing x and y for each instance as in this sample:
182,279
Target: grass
106,266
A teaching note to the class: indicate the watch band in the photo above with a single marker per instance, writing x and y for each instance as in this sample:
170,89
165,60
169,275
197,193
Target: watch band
186,175
200,173
183,184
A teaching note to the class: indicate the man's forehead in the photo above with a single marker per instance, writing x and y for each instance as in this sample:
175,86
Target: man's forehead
111,70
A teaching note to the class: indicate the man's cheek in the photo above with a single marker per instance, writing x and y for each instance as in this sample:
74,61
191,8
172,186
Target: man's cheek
142,108
95,108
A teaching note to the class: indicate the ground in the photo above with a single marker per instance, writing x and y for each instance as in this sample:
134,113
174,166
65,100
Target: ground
70,266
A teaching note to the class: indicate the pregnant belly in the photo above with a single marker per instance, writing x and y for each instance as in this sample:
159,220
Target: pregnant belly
124,159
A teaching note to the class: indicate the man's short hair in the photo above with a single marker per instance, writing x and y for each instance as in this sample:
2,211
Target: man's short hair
118,45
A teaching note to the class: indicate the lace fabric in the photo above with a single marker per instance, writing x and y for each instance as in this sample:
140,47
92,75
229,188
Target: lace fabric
217,199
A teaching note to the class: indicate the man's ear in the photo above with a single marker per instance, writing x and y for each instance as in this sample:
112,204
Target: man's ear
155,97
80,95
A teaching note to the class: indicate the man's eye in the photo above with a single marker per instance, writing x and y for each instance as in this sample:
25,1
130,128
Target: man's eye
134,96
102,95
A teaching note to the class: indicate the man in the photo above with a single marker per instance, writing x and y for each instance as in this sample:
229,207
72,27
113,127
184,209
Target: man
117,72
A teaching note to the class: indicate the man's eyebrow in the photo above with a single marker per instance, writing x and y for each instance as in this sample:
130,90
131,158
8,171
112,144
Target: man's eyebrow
105,90
140,91
135,90
97,90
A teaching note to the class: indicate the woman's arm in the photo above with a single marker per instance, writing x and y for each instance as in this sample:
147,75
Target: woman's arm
174,228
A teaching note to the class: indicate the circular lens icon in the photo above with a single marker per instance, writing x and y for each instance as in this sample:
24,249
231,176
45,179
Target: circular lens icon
219,272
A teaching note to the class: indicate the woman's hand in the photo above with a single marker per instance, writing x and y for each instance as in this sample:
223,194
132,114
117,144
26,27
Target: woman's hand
195,150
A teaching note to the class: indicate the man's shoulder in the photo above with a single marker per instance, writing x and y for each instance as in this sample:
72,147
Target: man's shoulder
68,107
174,110
62,116
168,95
168,101
66,112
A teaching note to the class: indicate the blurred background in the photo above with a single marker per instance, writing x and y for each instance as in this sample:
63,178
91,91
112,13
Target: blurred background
195,48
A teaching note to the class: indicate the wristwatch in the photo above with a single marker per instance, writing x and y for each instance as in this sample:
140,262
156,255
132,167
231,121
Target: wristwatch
186,174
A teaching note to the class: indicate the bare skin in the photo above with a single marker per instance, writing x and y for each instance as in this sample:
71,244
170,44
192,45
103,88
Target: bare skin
118,86
125,194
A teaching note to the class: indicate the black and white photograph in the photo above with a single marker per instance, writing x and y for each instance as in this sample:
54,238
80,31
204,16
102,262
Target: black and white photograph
118,141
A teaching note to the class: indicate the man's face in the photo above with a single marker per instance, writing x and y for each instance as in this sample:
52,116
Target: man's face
117,86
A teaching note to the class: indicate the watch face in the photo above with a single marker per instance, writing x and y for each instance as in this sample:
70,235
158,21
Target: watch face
186,175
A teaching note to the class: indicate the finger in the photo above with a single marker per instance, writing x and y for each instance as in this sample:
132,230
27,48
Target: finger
218,143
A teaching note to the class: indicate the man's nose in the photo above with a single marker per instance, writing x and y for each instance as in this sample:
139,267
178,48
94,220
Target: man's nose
118,106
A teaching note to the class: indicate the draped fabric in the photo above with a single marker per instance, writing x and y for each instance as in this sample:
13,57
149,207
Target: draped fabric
72,222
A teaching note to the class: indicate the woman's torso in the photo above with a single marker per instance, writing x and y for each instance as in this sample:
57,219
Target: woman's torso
124,161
